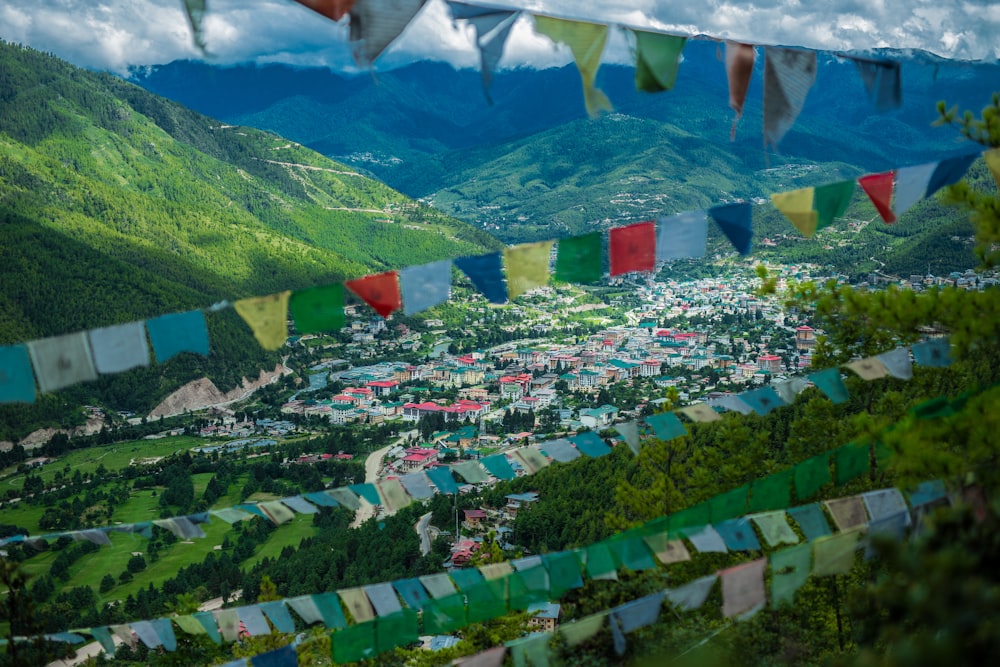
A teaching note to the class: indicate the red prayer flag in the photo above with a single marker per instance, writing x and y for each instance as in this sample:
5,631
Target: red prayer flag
633,248
878,187
380,291
332,9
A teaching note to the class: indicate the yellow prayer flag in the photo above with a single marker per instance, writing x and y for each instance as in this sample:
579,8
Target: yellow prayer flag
527,267
267,317
586,41
797,206
700,412
871,368
993,162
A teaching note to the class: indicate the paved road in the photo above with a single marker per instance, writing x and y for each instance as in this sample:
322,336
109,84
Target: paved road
425,538
372,465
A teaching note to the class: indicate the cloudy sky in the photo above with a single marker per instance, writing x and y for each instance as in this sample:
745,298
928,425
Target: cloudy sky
118,34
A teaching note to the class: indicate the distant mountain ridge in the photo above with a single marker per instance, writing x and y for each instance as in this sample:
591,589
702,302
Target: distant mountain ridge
533,165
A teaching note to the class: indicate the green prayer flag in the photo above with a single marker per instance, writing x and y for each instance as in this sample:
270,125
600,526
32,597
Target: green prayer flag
811,475
583,629
445,614
398,629
600,562
657,58
318,309
789,571
578,259
772,492
632,553
830,201
487,600
691,517
729,505
775,529
353,643
531,650
834,554
851,461
518,594
666,426
536,583
564,572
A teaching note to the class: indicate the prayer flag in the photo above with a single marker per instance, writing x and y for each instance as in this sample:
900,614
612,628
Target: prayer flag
276,512
578,259
629,431
229,624
667,551
300,505
590,444
355,642
397,629
632,248
492,27
789,571
383,598
181,527
600,563
586,41
691,517
811,520
928,492
61,361
267,317
743,587
178,332
828,381
441,477
869,369
812,209
444,614
851,461
531,650
738,535
700,412
367,491
486,273
333,10
145,631
527,267
775,529
253,620
935,352
834,554
277,613
739,69
763,400
789,389
530,459
811,475
633,553
771,492
705,539
657,58
560,450
639,613
380,291
564,572
730,504
578,631
17,380
735,222
412,591
392,494
471,472
682,236
119,348
438,585
788,76
691,595
375,24
897,363
666,426
425,286
878,187
911,184
885,503
847,512
346,497
733,403
357,603
498,466
496,570
279,657
949,171
882,81
417,485
318,308
195,10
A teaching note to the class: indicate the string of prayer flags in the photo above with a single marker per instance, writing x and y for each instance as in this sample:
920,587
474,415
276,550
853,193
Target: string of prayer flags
743,587
380,291
578,258
527,267
486,273
834,554
375,24
318,308
735,222
897,363
923,180
657,59
740,59
632,248
61,361
829,382
882,81
425,286
586,41
332,9
178,332
266,316
789,572
935,353
492,28
812,209
119,348
680,236
878,187
666,426
17,380
788,76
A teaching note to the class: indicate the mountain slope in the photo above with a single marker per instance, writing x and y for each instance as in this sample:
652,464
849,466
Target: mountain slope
118,205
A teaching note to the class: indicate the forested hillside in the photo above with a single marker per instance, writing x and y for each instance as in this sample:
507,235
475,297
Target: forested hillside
117,205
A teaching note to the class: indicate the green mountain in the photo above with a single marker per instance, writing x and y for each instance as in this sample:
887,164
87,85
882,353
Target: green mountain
116,205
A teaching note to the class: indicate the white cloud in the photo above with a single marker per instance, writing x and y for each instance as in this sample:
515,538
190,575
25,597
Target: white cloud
117,34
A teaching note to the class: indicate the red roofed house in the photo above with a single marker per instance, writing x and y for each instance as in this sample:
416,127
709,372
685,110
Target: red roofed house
805,338
769,362
383,387
474,518
417,457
